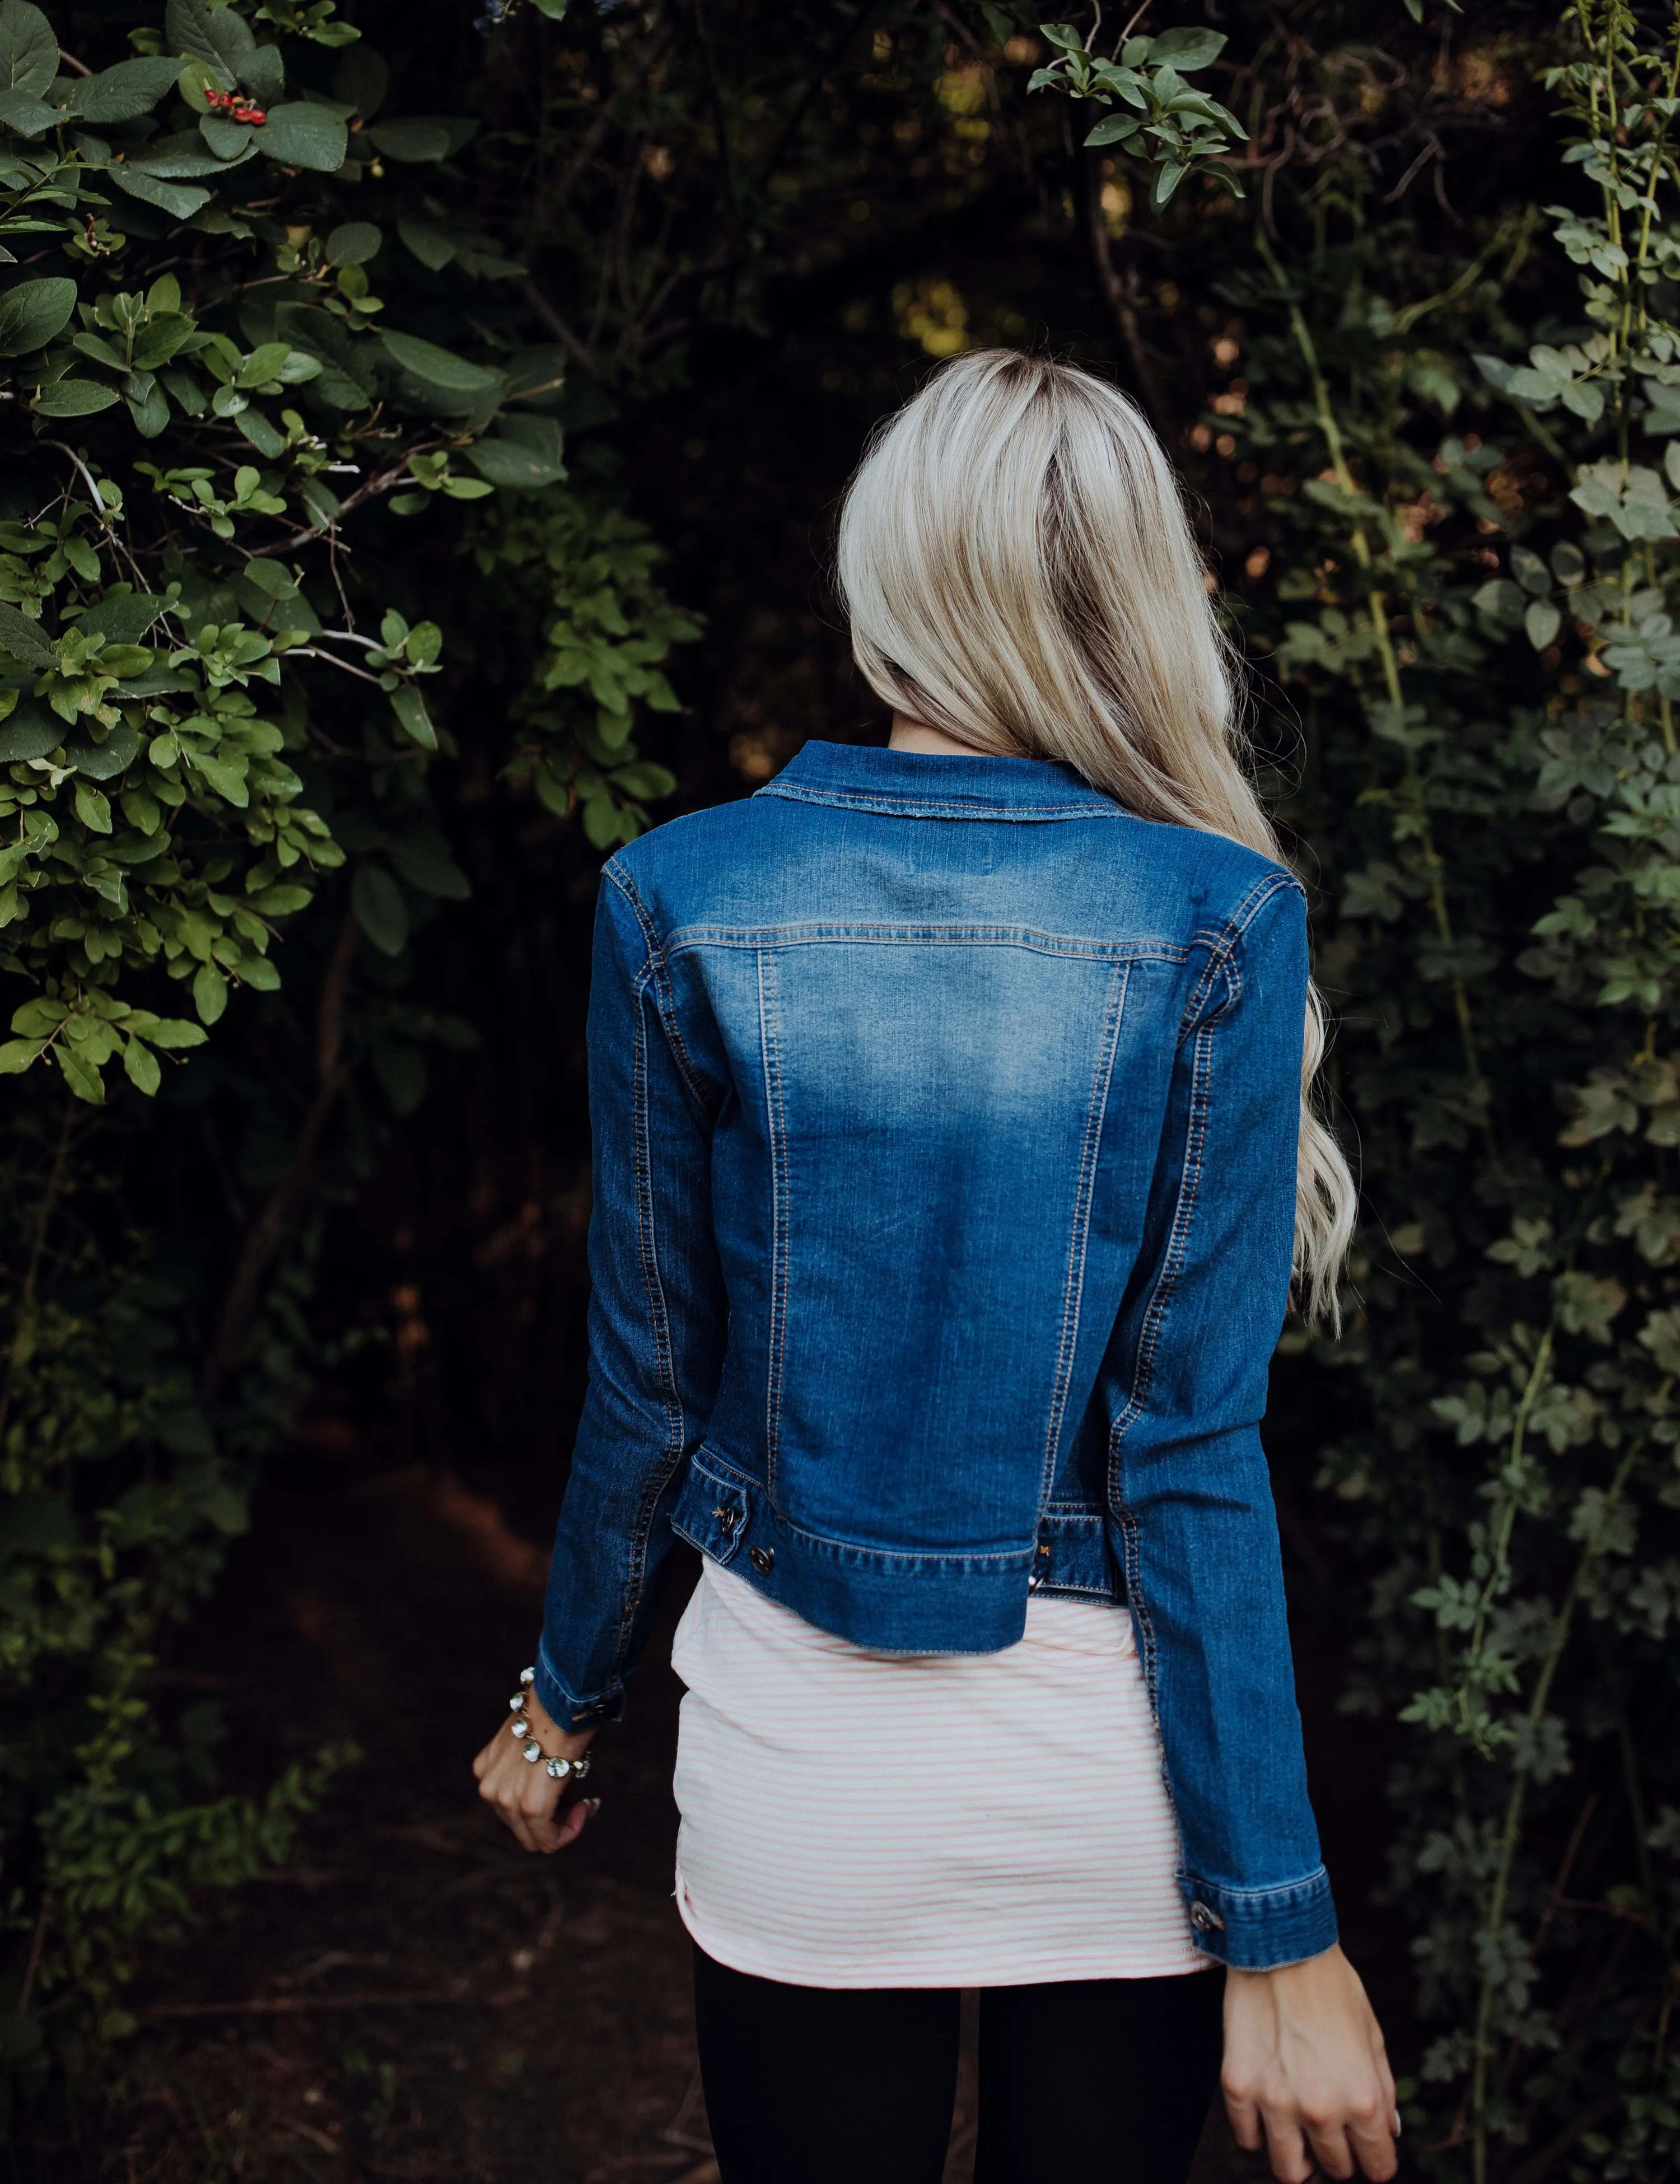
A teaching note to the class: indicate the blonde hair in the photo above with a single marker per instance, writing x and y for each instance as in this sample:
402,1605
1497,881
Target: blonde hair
1018,570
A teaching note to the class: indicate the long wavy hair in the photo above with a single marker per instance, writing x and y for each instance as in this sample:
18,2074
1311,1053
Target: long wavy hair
1018,569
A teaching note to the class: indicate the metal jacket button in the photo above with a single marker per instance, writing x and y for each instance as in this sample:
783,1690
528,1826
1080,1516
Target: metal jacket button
762,1559
1206,1921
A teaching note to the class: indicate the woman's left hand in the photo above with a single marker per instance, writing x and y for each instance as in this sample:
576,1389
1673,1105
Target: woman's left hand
1305,2071
523,1794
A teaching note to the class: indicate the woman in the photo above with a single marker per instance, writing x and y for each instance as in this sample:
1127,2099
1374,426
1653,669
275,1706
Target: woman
953,1152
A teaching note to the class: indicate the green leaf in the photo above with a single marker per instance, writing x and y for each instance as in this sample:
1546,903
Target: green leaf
644,780
182,157
263,437
262,364
410,141
179,199
83,1079
171,1032
209,994
379,909
269,577
104,761
409,707
30,733
345,381
24,639
361,80
555,9
353,243
17,1054
193,28
225,777
148,405
25,116
124,92
139,1066
31,313
440,367
1187,49
281,901
74,397
122,618
1117,129
92,808
432,244
1167,181
524,453
424,859
231,140
28,49
264,71
304,135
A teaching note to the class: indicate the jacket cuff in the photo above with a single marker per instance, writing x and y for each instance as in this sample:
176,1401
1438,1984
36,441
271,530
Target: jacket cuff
1259,1930
569,1711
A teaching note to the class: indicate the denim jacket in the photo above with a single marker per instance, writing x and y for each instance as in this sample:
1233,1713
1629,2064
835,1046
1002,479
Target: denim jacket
945,1122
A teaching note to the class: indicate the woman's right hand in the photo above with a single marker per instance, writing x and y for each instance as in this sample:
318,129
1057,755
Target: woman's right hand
1306,2074
524,1796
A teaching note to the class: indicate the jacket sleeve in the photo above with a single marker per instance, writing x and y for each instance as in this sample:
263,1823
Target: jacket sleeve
656,1319
1190,1495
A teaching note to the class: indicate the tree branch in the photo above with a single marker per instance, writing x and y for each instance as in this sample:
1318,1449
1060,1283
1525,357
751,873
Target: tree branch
266,1233
1117,295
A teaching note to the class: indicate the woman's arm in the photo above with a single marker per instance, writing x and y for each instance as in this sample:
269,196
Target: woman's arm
524,1795
657,1326
1305,2069
1306,2074
1195,1526
658,1319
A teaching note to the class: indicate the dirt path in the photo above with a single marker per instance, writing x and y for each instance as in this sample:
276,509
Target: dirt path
412,1997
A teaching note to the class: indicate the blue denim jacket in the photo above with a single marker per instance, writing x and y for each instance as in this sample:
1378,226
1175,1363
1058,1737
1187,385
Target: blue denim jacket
945,1120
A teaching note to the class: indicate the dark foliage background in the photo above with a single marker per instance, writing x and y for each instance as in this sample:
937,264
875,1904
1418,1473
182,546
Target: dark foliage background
739,235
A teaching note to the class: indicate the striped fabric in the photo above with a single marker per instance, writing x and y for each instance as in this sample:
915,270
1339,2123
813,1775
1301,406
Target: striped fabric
857,1819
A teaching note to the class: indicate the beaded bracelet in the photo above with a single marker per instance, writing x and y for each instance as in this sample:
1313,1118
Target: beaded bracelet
561,1769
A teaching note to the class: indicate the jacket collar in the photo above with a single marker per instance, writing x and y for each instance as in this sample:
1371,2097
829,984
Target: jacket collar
926,785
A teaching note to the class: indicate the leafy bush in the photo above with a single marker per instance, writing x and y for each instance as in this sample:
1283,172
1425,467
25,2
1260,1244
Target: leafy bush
1479,626
270,400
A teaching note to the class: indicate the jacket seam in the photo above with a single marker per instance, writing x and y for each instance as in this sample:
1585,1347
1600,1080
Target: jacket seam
776,1120
884,803
659,1316
1222,946
665,993
729,1474
986,933
1178,1239
1073,1292
1225,1889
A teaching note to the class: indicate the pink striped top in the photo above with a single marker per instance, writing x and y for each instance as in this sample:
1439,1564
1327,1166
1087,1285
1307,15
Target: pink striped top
859,1820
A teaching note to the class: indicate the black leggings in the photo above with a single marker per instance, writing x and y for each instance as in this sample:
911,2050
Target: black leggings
1108,2081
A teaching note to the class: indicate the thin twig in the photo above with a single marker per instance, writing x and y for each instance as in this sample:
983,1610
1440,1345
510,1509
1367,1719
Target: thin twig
292,2005
263,1238
38,1942
344,667
570,342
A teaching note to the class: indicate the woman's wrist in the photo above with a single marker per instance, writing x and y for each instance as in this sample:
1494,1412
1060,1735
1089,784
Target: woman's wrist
1324,1962
539,1737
